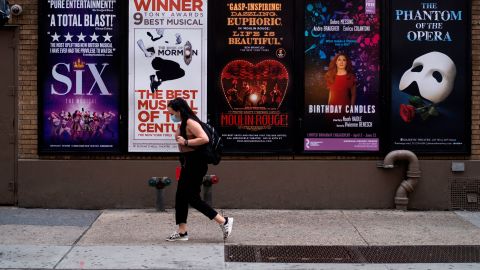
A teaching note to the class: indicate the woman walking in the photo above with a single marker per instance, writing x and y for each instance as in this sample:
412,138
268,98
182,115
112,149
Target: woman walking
190,138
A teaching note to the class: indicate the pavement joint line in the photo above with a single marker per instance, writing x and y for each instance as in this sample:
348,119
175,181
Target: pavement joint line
78,240
355,227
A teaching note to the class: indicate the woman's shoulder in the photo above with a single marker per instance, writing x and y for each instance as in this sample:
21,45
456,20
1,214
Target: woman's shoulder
192,123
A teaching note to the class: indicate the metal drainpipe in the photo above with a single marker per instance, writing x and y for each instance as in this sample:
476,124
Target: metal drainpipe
208,182
413,175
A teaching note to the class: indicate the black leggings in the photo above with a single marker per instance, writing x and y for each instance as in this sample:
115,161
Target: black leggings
194,169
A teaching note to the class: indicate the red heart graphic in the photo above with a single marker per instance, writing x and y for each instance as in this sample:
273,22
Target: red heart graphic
254,87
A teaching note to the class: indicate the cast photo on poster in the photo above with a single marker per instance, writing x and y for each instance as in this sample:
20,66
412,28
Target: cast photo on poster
81,127
248,86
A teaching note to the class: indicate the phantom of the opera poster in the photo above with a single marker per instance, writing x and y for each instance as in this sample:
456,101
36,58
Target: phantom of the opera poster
430,76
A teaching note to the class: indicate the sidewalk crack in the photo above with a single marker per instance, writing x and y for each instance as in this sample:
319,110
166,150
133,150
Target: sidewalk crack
356,229
78,240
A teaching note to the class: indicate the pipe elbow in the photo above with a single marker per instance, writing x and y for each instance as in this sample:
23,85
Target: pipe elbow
399,155
413,163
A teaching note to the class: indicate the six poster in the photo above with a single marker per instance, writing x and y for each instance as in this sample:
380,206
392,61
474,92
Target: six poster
79,76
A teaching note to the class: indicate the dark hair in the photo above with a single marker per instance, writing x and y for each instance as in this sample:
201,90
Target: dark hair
180,105
332,69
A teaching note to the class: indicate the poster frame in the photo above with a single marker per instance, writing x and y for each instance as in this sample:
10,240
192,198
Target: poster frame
128,77
213,83
468,83
300,84
42,58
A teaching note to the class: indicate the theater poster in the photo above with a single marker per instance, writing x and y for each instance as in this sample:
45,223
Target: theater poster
430,76
342,76
251,102
167,59
79,76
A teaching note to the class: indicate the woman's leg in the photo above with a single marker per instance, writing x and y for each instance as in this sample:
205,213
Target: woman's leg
219,219
199,169
181,203
196,202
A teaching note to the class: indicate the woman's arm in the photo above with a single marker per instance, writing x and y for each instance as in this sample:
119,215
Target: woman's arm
200,137
177,134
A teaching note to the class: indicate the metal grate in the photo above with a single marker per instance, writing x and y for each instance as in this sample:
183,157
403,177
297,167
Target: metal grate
353,254
421,254
465,194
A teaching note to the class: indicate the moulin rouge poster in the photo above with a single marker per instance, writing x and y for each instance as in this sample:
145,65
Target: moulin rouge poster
430,74
79,75
342,76
251,104
167,59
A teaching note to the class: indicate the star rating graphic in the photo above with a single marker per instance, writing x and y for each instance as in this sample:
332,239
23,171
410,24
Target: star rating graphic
94,37
68,37
107,37
55,37
81,37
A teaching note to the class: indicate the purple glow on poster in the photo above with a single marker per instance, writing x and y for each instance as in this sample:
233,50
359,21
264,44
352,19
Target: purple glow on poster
326,144
370,6
79,75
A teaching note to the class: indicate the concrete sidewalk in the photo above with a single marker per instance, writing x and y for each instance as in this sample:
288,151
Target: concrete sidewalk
134,239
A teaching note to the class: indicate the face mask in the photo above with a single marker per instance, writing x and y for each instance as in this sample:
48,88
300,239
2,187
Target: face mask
175,118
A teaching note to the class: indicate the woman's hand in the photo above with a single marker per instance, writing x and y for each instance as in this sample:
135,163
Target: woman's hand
181,141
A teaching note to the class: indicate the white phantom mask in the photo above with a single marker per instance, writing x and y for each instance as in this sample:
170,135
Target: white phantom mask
434,74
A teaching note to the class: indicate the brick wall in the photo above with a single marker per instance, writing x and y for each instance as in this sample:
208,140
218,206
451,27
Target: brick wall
27,78
476,79
27,87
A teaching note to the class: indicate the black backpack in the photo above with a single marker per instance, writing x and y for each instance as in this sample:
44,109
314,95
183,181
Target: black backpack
213,149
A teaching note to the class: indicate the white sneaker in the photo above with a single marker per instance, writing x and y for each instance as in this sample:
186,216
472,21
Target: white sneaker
177,237
227,228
